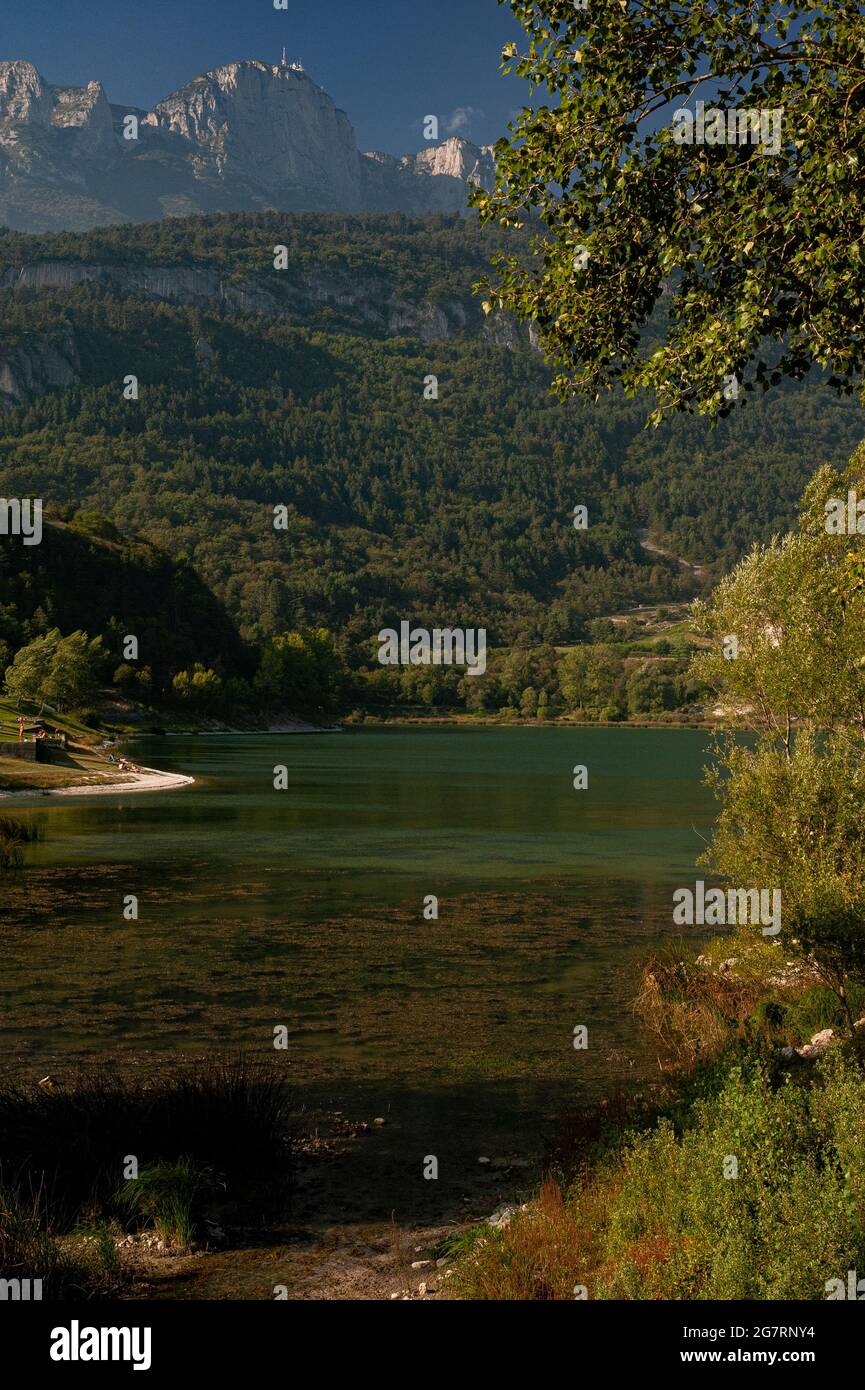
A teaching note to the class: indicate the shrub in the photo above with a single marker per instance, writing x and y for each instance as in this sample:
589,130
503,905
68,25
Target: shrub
664,1216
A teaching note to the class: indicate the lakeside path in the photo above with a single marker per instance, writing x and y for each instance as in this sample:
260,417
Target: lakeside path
149,779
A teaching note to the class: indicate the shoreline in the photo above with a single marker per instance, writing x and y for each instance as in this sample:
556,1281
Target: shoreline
150,779
296,726
493,722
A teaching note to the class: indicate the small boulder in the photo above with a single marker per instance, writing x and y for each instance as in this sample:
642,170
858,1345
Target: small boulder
502,1216
819,1043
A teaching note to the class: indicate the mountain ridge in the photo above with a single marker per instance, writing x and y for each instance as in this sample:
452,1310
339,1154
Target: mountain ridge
244,136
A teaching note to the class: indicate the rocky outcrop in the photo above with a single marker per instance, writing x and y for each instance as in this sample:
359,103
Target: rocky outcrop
454,159
365,304
819,1044
242,137
24,96
51,132
436,179
30,369
86,114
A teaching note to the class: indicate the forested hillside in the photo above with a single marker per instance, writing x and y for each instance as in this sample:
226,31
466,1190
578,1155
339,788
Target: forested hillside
87,577
458,508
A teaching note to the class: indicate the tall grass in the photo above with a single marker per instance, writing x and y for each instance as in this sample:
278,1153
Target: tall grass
229,1115
172,1197
29,1251
691,1012
13,836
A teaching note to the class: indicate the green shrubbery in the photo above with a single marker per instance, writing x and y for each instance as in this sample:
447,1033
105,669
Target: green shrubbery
658,1219
792,1218
750,1183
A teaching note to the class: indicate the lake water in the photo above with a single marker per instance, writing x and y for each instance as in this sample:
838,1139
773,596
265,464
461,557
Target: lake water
304,908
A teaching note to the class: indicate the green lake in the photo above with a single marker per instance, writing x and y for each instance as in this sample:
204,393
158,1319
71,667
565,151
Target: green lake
304,908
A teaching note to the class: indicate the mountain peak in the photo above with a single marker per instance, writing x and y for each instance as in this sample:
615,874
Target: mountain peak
245,135
267,124
227,73
24,94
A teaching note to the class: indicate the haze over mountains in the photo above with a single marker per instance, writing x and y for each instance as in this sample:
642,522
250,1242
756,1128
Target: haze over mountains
247,136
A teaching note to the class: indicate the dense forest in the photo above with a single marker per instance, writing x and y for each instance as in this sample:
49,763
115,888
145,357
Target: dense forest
392,503
85,576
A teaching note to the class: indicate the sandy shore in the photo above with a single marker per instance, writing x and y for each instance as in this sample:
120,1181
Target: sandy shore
149,779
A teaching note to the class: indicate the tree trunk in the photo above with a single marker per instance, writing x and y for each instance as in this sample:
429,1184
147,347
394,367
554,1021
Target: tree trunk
842,995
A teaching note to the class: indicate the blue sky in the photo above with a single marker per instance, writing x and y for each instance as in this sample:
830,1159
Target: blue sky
387,63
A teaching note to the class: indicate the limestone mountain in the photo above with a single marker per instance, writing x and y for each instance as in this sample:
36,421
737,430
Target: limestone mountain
243,137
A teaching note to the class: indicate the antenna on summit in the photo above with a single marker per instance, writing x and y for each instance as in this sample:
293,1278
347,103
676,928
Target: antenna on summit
292,67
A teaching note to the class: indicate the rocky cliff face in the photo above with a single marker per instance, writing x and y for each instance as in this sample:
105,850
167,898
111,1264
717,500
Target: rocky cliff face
366,304
34,367
435,180
454,159
45,130
372,301
269,128
86,114
245,136
24,96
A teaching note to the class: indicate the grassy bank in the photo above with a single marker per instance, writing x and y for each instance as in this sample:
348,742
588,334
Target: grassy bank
741,1177
80,763
77,769
14,835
